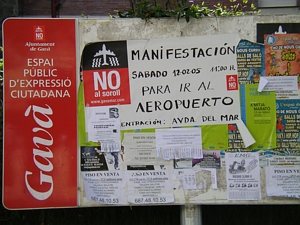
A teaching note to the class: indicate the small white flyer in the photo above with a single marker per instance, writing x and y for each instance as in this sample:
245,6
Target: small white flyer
105,187
243,176
149,187
179,143
189,180
199,179
103,126
286,160
283,181
280,83
139,150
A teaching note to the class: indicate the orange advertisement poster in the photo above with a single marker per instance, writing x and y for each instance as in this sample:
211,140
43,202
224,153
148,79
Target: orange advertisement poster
282,54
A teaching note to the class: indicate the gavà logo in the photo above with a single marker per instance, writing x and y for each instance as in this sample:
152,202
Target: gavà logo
41,149
39,33
104,57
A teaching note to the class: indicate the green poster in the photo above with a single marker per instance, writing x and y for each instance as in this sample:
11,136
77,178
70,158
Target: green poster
259,115
81,120
214,137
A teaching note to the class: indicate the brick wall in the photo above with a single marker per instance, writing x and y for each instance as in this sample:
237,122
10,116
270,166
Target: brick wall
74,7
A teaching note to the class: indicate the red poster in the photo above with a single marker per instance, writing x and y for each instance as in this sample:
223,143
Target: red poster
40,119
105,74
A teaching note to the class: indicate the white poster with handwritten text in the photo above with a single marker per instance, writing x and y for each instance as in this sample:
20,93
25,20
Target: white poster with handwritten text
183,81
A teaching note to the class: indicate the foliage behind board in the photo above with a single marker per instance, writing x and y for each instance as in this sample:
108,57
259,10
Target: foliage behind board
151,9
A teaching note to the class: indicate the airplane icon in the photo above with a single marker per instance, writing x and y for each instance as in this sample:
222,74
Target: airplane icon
104,53
280,31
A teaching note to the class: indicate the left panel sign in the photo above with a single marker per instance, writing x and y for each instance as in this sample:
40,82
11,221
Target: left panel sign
40,119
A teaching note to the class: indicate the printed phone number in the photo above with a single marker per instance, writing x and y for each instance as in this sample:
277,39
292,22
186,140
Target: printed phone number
106,200
150,200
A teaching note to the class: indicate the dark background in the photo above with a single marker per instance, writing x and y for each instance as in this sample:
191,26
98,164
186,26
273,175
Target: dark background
156,215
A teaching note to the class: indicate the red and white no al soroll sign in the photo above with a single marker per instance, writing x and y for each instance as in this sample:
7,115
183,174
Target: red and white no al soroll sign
40,119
